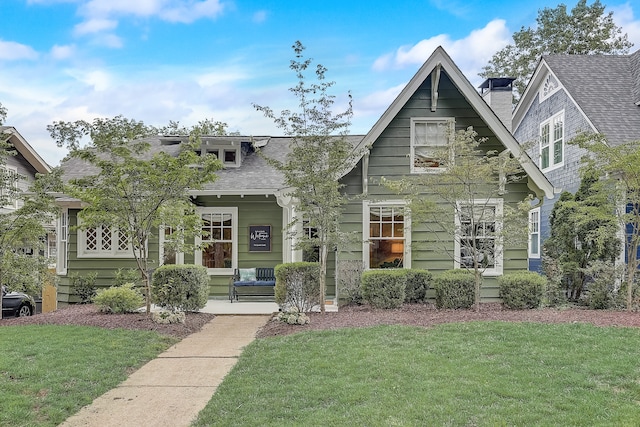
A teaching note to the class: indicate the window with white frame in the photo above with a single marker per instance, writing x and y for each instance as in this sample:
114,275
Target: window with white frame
9,188
310,254
429,141
62,236
534,233
229,156
103,242
478,241
219,252
552,142
387,231
167,251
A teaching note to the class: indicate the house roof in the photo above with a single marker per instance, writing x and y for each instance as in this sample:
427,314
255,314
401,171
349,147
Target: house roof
22,146
440,58
606,88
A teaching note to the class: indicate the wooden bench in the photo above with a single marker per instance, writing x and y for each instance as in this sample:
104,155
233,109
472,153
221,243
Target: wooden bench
260,281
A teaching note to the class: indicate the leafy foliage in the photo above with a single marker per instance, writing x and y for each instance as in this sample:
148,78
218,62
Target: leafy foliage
297,286
135,189
119,299
524,289
319,154
84,286
585,30
417,284
180,287
455,289
349,281
384,288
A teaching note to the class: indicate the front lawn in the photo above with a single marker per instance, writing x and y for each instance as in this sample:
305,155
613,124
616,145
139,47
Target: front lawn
480,373
48,372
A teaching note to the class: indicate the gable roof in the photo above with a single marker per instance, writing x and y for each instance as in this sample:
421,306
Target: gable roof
440,58
606,88
22,146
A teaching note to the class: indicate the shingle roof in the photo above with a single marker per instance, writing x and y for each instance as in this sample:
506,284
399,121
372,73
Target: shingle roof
254,174
606,88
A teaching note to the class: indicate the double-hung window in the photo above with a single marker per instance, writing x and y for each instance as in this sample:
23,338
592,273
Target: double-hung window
478,241
62,236
534,233
387,234
219,240
552,142
103,242
168,253
429,141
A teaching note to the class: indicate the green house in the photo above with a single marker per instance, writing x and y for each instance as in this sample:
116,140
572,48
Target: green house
246,210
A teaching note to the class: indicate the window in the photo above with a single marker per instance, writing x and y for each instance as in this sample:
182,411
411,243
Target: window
386,234
103,242
229,156
552,142
534,233
310,254
429,139
62,234
219,252
9,188
478,236
168,254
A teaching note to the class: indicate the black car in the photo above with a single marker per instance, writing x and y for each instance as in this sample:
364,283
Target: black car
17,304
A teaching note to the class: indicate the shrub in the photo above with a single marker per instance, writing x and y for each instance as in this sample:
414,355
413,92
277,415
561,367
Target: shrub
119,299
180,287
167,317
522,289
384,288
418,282
84,286
455,289
127,275
292,316
349,280
297,285
600,293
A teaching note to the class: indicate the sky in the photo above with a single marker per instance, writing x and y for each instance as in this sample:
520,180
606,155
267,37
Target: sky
189,60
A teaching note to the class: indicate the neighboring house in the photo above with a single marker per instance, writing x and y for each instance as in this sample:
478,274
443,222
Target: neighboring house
566,95
247,209
26,163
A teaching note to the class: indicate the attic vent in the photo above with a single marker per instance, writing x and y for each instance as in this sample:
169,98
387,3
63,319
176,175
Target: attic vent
170,140
549,87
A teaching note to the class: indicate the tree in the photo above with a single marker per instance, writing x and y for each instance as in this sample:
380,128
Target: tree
585,31
23,264
133,189
468,187
319,154
584,230
619,169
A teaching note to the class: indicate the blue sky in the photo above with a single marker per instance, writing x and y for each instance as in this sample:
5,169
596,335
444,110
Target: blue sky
187,60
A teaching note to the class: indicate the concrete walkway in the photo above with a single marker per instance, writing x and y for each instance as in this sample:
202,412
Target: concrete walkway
172,389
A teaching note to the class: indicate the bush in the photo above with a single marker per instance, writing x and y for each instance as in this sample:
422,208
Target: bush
127,275
349,280
119,299
84,287
384,288
600,293
455,289
180,287
167,317
293,317
418,282
298,286
523,289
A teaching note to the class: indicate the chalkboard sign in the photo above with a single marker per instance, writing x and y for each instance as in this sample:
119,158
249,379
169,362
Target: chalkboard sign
259,238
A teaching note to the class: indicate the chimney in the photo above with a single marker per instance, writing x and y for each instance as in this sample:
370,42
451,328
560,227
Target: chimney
497,93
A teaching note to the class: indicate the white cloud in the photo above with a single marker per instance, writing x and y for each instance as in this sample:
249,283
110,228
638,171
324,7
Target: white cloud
469,53
12,51
191,11
95,26
62,52
260,16
99,80
184,11
623,16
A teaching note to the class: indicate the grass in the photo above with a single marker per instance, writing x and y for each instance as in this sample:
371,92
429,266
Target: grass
481,374
48,372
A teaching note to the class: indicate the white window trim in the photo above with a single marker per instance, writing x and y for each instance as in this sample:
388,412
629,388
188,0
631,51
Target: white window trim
366,205
161,240
450,121
220,149
62,242
113,253
13,200
499,254
535,212
234,237
552,143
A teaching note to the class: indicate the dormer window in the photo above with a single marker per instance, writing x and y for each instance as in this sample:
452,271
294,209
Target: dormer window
229,156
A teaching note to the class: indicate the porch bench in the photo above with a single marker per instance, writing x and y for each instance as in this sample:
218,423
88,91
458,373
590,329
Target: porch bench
260,281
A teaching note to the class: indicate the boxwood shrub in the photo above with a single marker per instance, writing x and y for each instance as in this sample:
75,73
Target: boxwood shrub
180,287
298,285
418,282
454,289
384,288
119,299
522,289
